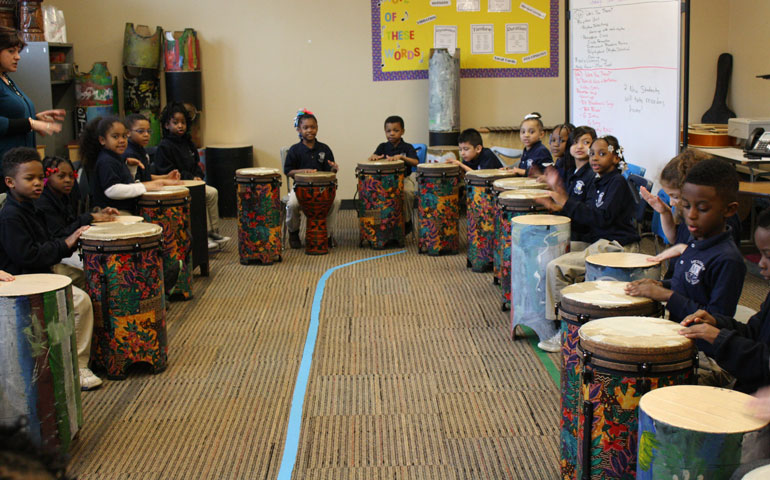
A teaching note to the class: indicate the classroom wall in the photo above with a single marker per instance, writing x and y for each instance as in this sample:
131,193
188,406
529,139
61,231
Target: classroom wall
748,42
264,60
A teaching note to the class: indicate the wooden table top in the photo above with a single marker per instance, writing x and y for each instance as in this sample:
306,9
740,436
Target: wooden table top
759,189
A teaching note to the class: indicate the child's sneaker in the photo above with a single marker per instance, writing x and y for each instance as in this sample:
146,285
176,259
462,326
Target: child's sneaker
88,381
215,236
552,345
213,245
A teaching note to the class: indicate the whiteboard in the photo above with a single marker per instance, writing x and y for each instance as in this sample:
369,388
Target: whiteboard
625,75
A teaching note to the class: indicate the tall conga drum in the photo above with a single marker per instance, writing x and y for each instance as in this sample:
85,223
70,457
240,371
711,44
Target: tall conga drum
502,242
259,215
621,266
624,358
513,203
481,216
315,193
198,227
581,303
695,430
438,208
124,278
170,208
535,240
381,202
38,360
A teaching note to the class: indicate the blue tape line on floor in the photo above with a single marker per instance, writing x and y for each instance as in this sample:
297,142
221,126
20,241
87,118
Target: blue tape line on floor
298,399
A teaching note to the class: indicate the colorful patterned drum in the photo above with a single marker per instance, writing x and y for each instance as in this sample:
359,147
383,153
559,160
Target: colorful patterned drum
481,216
38,360
693,431
170,208
536,240
124,278
381,202
513,203
259,215
621,266
438,208
503,235
624,358
580,303
315,193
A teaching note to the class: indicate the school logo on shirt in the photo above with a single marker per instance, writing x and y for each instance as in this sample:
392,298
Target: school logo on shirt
600,200
529,163
693,275
579,185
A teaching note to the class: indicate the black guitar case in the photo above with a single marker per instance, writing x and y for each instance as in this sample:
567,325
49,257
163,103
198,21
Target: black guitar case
719,113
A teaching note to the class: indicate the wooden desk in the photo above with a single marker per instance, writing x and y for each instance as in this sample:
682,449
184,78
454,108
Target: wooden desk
735,155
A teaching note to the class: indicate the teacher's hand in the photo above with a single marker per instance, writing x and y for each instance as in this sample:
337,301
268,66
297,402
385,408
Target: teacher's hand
44,128
56,115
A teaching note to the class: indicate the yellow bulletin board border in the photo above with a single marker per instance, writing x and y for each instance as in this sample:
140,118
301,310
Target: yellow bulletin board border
512,71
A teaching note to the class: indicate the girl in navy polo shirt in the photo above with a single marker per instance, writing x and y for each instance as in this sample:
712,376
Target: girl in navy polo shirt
535,153
102,144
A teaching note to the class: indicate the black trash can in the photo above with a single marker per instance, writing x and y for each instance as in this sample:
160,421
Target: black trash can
221,163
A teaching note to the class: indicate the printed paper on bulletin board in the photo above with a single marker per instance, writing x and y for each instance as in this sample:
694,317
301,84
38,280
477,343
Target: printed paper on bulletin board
496,38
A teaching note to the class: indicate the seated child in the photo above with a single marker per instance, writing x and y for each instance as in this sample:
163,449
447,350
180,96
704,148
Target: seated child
743,350
535,153
307,156
176,151
709,274
136,156
26,246
102,144
607,213
59,209
578,176
559,146
474,155
397,149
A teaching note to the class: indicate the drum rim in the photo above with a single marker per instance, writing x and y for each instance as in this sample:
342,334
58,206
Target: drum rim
175,194
379,164
32,279
151,230
526,219
641,256
265,172
575,286
474,179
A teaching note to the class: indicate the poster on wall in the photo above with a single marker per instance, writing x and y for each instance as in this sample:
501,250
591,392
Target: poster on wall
496,38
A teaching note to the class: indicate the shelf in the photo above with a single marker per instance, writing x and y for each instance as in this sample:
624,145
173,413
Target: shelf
60,45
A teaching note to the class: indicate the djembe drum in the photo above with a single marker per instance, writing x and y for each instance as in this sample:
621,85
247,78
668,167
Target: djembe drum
438,208
624,358
481,219
259,215
315,194
536,240
381,202
198,227
580,303
694,429
124,278
38,360
513,203
502,242
621,266
170,208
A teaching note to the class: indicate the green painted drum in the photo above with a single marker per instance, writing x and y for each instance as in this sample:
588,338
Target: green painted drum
693,431
141,46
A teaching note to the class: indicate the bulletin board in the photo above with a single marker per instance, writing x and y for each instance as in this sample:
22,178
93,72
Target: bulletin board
496,38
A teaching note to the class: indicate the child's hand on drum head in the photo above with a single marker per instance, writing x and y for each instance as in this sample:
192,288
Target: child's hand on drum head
702,331
670,252
701,316
374,157
334,166
133,162
175,175
648,288
102,217
760,404
6,277
109,211
154,185
72,240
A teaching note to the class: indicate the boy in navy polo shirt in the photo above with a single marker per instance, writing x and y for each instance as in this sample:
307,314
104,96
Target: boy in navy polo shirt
306,156
607,212
535,154
474,155
709,274
27,247
397,149
139,134
743,350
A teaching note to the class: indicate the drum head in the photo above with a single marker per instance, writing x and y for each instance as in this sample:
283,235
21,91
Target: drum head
167,192
122,219
621,260
634,335
538,219
522,198
117,231
516,183
760,473
258,172
381,166
603,294
33,284
487,176
702,409
315,178
438,169
192,183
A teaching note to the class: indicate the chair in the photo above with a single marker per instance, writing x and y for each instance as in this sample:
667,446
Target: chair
637,182
504,154
422,152
632,169
657,226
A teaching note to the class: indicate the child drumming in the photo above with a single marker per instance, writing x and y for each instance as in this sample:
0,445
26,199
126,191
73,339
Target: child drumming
307,156
535,153
743,350
474,155
578,175
396,149
607,213
709,274
26,246
102,144
559,145
176,151
136,156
